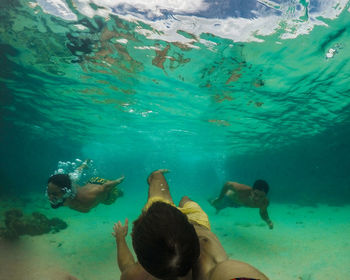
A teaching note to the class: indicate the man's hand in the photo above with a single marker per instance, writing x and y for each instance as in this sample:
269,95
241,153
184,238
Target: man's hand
270,224
120,231
84,165
125,258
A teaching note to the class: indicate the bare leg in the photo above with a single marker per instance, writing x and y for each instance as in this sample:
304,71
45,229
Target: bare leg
109,185
110,191
183,200
158,185
216,201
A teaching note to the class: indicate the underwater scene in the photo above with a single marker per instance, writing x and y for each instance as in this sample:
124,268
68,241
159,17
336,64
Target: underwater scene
110,109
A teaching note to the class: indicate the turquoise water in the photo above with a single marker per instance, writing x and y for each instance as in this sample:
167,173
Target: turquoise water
211,90
259,90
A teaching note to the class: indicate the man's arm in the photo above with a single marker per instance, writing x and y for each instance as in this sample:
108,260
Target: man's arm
76,174
265,216
125,258
84,165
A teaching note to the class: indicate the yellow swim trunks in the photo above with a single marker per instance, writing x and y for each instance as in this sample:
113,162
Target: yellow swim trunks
191,209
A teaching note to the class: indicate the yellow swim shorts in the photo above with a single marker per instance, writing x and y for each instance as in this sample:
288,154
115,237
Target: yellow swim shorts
191,209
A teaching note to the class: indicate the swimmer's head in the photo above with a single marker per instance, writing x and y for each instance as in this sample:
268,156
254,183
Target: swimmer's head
59,188
165,242
261,185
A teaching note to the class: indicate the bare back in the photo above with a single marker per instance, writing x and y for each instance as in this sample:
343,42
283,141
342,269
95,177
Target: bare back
243,195
214,264
136,272
87,197
211,253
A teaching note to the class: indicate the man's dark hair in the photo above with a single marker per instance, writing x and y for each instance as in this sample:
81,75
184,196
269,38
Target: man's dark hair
61,180
261,185
165,242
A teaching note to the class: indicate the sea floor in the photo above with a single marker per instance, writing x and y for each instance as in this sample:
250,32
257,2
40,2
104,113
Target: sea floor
307,243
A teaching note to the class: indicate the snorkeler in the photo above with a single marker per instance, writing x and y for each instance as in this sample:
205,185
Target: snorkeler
61,191
175,242
234,194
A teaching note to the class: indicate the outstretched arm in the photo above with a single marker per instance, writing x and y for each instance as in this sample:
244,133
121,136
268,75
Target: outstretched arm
84,165
76,174
265,216
124,256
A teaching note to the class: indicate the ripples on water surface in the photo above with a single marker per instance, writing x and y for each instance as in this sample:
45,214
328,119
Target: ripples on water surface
228,77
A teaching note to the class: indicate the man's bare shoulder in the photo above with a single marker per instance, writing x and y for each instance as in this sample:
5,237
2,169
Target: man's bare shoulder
230,269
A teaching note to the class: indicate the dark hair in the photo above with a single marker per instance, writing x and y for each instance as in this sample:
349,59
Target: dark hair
165,242
61,180
261,185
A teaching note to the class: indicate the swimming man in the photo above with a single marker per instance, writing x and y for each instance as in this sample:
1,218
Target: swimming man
234,194
62,192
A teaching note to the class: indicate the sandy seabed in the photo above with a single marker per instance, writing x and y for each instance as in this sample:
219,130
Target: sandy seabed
307,243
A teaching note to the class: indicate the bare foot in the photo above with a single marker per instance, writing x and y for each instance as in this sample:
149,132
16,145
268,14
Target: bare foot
119,180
